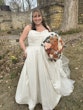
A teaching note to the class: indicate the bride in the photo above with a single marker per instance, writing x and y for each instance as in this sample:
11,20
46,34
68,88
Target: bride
41,80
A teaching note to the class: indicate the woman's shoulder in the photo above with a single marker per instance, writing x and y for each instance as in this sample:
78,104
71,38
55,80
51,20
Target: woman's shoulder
28,27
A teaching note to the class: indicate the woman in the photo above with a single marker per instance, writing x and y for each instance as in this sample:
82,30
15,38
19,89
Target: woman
41,80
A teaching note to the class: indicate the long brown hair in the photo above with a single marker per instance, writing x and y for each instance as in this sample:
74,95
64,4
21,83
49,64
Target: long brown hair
43,21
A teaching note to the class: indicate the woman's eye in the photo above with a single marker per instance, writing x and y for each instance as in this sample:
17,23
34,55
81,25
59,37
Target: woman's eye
39,15
34,16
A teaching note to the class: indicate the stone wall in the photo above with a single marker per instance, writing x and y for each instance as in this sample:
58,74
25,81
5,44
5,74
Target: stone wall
54,16
10,20
17,20
80,12
5,20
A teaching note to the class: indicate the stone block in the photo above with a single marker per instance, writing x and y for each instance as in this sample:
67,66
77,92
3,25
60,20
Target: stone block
19,20
6,26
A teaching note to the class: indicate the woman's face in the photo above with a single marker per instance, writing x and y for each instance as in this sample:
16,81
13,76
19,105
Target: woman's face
37,18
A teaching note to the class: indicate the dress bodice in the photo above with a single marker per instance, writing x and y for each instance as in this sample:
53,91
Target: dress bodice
35,38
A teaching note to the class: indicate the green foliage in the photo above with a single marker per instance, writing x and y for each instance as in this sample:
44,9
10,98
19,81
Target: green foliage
14,59
13,75
1,2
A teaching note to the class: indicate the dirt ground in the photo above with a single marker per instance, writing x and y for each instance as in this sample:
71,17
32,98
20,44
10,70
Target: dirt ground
11,62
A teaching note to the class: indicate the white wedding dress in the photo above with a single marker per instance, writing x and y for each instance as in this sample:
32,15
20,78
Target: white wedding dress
41,80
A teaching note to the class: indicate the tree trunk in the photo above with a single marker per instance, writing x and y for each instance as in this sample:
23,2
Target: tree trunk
70,17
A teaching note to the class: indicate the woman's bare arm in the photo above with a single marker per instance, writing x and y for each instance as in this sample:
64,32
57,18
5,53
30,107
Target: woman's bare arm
23,37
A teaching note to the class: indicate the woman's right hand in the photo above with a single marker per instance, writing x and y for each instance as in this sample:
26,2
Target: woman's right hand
24,54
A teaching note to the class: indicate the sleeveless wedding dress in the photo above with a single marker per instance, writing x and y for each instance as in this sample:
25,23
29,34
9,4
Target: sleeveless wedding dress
41,80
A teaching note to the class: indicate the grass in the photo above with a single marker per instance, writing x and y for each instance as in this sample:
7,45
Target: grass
72,31
13,75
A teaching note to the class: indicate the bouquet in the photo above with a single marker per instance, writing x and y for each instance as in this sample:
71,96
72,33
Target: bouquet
56,48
